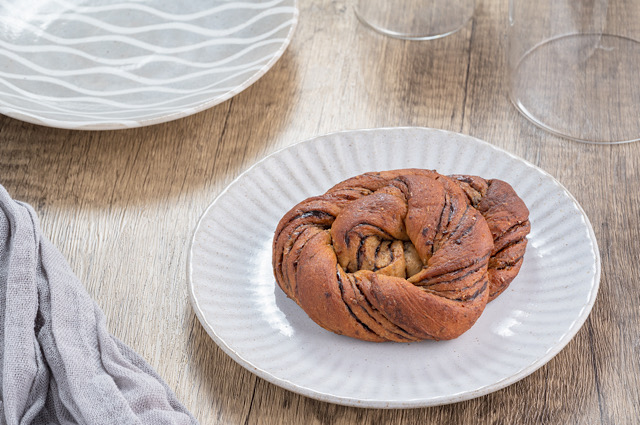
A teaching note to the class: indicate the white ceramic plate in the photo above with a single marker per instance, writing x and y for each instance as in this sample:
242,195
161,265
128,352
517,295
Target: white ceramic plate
235,296
106,64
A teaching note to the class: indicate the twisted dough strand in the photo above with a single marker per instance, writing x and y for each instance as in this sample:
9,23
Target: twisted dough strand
508,219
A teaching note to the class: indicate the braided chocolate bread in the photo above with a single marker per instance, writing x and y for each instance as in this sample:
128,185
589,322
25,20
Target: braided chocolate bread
401,255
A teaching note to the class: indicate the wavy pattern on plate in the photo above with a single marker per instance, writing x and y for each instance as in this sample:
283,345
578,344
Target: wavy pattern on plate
235,296
125,64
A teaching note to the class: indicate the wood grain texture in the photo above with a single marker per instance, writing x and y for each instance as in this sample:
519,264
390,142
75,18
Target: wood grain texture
122,205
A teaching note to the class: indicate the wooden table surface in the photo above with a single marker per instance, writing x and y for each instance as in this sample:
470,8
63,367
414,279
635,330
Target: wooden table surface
122,205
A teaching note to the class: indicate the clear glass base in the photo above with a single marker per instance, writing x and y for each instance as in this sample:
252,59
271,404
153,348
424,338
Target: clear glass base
584,87
415,19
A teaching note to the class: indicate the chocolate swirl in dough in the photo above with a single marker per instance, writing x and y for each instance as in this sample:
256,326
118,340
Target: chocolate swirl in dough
401,255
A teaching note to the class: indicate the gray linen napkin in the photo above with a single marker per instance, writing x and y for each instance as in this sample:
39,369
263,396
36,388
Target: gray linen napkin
59,363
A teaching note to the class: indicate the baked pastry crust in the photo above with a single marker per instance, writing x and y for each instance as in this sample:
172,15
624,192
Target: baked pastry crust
401,255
